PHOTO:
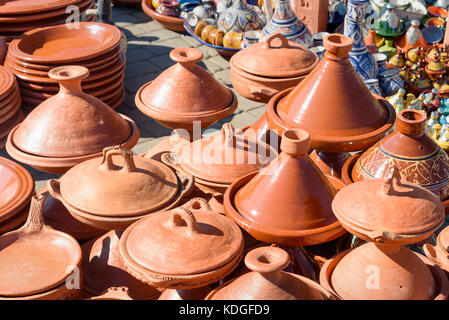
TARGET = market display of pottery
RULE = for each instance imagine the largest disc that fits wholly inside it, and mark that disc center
(18, 17)
(10, 104)
(169, 21)
(47, 139)
(93, 45)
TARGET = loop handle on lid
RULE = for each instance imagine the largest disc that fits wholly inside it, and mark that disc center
(228, 133)
(108, 165)
(277, 35)
(197, 204)
(181, 217)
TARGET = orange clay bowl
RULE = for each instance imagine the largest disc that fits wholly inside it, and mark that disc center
(171, 23)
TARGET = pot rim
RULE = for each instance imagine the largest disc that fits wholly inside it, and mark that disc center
(149, 10)
(272, 235)
(30, 9)
(331, 143)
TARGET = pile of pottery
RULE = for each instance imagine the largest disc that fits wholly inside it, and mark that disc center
(10, 103)
(166, 12)
(17, 189)
(17, 17)
(69, 127)
(95, 46)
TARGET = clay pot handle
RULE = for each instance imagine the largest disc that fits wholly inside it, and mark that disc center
(186, 56)
(197, 204)
(267, 260)
(188, 184)
(54, 188)
(411, 122)
(431, 253)
(227, 132)
(35, 221)
(108, 165)
(169, 159)
(392, 180)
(277, 35)
(256, 90)
(180, 217)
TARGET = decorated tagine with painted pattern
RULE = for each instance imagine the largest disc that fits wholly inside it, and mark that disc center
(286, 22)
(417, 156)
(239, 17)
(361, 59)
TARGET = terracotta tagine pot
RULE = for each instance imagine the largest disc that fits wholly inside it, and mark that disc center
(49, 141)
(417, 156)
(218, 160)
(185, 93)
(140, 187)
(37, 262)
(439, 253)
(333, 104)
(179, 294)
(390, 213)
(263, 69)
(103, 269)
(267, 281)
(289, 201)
(183, 248)
(17, 187)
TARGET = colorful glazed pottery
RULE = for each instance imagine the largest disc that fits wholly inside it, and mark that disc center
(239, 17)
(391, 81)
(169, 8)
(289, 201)
(168, 22)
(183, 248)
(412, 39)
(86, 189)
(257, 73)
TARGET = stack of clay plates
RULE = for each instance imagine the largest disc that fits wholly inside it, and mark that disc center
(10, 101)
(93, 45)
(19, 16)
(16, 189)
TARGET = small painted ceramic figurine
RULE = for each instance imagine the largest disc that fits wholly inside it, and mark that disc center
(397, 100)
(389, 24)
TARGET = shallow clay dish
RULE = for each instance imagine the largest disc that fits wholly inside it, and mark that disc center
(267, 281)
(57, 44)
(184, 248)
(289, 201)
(168, 22)
(32, 6)
(35, 258)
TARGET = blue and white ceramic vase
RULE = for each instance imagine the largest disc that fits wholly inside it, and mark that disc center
(285, 21)
(381, 60)
(373, 86)
(391, 81)
(361, 59)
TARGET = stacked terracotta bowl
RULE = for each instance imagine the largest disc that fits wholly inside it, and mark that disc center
(17, 17)
(10, 102)
(95, 46)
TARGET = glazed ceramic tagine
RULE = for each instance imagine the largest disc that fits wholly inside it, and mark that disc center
(440, 252)
(37, 262)
(69, 128)
(390, 213)
(103, 269)
(182, 248)
(139, 188)
(267, 281)
(289, 201)
(16, 190)
(217, 161)
(417, 156)
(333, 105)
(263, 69)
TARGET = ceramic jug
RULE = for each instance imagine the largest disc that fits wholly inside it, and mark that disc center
(361, 59)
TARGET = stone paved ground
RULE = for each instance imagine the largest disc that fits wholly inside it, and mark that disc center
(149, 45)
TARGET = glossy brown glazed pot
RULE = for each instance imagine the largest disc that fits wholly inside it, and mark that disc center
(439, 253)
(140, 187)
(37, 261)
(260, 71)
(289, 201)
(168, 22)
(184, 248)
(103, 269)
(185, 93)
(267, 281)
(417, 156)
(390, 212)
(48, 139)
(333, 104)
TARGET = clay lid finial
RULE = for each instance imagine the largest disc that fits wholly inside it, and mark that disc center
(295, 142)
(337, 45)
(185, 55)
(267, 259)
(68, 73)
(411, 122)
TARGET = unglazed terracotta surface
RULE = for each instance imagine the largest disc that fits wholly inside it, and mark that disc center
(417, 156)
(440, 252)
(187, 248)
(45, 132)
(289, 201)
(36, 258)
(267, 281)
(314, 13)
(333, 104)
